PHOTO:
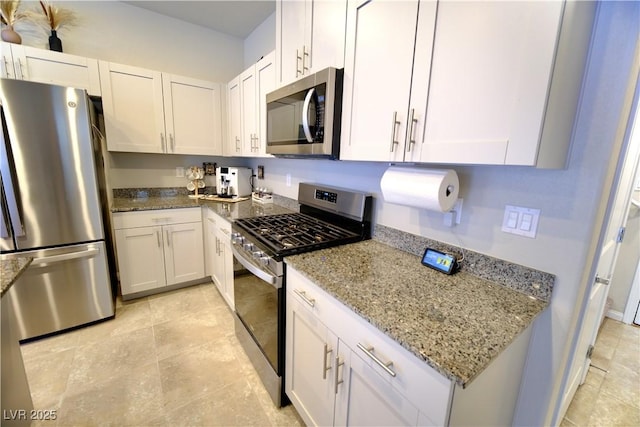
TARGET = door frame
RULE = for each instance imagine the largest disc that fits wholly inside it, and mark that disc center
(622, 147)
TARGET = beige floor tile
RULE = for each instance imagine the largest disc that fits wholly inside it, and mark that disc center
(232, 405)
(623, 383)
(128, 318)
(581, 407)
(177, 336)
(595, 377)
(112, 357)
(177, 304)
(48, 376)
(194, 373)
(609, 411)
(124, 400)
(53, 344)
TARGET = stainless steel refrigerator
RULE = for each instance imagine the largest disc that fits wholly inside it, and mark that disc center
(51, 207)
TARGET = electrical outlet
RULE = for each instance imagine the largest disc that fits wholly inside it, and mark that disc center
(288, 180)
(260, 172)
(179, 172)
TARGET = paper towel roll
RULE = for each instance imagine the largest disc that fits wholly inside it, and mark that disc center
(433, 189)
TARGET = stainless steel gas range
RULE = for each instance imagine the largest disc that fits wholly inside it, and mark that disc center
(328, 216)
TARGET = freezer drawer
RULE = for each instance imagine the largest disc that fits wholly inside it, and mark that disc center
(62, 288)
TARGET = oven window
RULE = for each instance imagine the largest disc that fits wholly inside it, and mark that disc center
(256, 304)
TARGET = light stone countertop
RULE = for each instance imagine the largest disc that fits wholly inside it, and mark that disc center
(457, 324)
(10, 270)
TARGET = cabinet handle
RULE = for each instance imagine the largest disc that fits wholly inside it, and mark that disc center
(6, 67)
(369, 352)
(394, 124)
(162, 141)
(303, 295)
(217, 246)
(412, 122)
(298, 59)
(305, 55)
(23, 75)
(158, 238)
(168, 238)
(326, 368)
(337, 382)
(172, 142)
(237, 142)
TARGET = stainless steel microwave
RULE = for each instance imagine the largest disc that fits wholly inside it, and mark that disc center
(303, 118)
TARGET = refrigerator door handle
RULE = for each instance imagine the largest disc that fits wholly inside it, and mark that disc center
(4, 230)
(44, 261)
(10, 189)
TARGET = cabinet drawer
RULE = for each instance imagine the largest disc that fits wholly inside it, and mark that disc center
(426, 388)
(155, 217)
(220, 222)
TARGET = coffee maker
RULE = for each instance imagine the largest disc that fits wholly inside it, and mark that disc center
(233, 181)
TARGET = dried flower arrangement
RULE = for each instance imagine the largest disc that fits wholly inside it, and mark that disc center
(57, 17)
(54, 18)
(9, 16)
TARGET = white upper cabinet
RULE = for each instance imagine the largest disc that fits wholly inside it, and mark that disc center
(45, 66)
(376, 122)
(490, 77)
(247, 105)
(484, 83)
(233, 145)
(193, 118)
(310, 36)
(147, 111)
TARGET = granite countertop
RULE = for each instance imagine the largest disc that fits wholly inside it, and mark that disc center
(457, 324)
(231, 210)
(10, 270)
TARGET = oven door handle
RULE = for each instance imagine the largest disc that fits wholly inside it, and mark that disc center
(274, 281)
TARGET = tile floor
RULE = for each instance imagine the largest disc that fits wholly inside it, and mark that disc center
(172, 359)
(610, 395)
(165, 360)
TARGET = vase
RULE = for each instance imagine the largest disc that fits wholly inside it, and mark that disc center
(54, 42)
(10, 36)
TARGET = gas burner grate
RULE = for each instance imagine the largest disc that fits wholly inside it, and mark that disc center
(294, 232)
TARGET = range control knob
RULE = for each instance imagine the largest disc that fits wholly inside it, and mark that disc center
(264, 259)
(257, 254)
(248, 247)
(237, 239)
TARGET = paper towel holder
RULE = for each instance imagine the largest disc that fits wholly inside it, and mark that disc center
(453, 217)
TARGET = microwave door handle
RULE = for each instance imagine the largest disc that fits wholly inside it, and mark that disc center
(305, 115)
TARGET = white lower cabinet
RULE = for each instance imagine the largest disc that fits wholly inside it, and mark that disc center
(334, 372)
(341, 370)
(158, 248)
(219, 258)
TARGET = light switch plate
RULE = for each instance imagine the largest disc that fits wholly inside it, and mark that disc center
(520, 221)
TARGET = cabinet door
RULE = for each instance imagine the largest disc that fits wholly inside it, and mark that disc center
(45, 66)
(225, 257)
(7, 70)
(183, 252)
(365, 398)
(210, 245)
(248, 110)
(140, 259)
(266, 80)
(193, 115)
(133, 108)
(310, 364)
(377, 79)
(233, 145)
(490, 75)
(293, 36)
(328, 34)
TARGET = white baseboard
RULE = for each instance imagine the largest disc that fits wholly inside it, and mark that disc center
(615, 315)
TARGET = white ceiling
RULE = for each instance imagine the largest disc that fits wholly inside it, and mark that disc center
(237, 18)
